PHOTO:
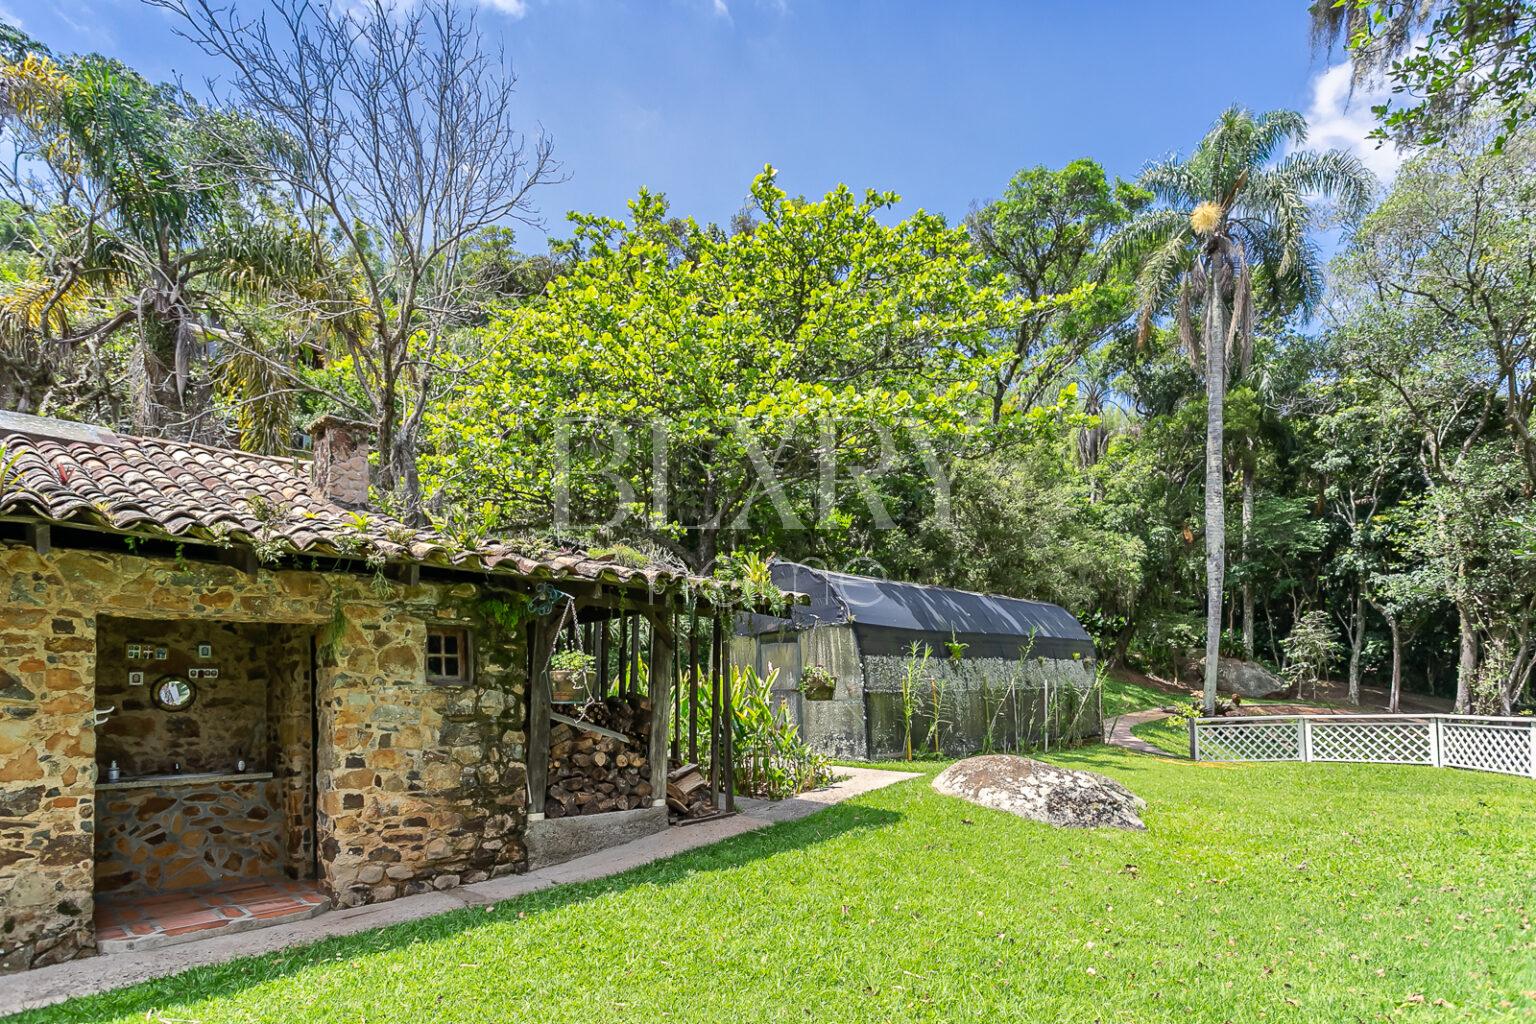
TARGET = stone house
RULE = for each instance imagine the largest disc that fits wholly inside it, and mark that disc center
(1004, 672)
(221, 671)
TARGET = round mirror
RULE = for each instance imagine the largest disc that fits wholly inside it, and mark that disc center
(174, 693)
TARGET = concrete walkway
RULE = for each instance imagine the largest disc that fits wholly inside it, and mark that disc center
(1121, 735)
(48, 985)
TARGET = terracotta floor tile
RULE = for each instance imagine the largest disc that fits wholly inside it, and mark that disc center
(189, 911)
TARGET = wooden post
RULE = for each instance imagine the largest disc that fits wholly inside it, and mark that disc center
(714, 725)
(661, 686)
(1306, 739)
(1437, 739)
(727, 726)
(675, 752)
(693, 687)
(1194, 742)
(538, 720)
(623, 665)
(602, 656)
(634, 655)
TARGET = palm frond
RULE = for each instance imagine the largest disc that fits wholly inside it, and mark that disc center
(1145, 233)
(1275, 128)
(1171, 181)
(1335, 174)
(1160, 271)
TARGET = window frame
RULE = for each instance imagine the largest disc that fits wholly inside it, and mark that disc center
(465, 655)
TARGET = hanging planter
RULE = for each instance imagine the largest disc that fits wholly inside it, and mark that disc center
(818, 683)
(568, 672)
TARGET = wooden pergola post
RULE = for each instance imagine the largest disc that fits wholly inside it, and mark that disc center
(662, 682)
(721, 648)
(538, 720)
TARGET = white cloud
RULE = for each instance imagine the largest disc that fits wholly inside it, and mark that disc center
(1341, 119)
(511, 8)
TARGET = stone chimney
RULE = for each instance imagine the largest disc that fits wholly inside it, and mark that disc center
(340, 467)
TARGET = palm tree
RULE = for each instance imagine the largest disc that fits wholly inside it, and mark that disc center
(134, 233)
(1230, 229)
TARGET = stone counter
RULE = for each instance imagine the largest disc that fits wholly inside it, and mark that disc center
(182, 832)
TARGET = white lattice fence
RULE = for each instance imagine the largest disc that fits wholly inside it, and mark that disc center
(1249, 739)
(1374, 740)
(1506, 745)
(1489, 745)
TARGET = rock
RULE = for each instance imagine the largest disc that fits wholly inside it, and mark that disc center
(1042, 792)
(1247, 678)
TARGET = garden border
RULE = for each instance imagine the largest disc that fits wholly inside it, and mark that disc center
(1486, 743)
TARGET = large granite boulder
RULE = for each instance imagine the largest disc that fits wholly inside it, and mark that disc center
(1042, 792)
(1247, 678)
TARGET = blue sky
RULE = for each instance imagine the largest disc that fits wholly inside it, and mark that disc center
(939, 101)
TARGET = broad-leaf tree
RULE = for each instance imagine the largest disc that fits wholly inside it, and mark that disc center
(1044, 236)
(700, 386)
(406, 148)
(1447, 58)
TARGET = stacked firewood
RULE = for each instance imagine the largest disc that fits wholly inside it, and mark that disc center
(589, 772)
(688, 795)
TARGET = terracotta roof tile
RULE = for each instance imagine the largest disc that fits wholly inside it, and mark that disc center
(68, 472)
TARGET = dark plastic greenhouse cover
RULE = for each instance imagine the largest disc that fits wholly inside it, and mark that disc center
(913, 610)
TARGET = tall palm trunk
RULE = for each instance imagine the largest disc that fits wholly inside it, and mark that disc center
(1249, 641)
(1215, 506)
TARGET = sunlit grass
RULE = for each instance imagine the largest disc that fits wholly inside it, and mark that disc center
(1306, 893)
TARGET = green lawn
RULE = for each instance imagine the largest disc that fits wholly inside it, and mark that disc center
(1122, 696)
(1306, 893)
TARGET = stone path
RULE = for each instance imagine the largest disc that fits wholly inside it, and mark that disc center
(47, 985)
(1121, 735)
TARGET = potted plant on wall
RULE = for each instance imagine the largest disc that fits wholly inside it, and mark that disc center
(568, 671)
(818, 683)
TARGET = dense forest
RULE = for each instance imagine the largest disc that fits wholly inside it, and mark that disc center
(1152, 401)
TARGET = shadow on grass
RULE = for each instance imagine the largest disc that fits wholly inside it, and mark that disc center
(215, 981)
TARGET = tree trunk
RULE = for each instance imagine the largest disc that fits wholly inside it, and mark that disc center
(1356, 644)
(1249, 644)
(1215, 510)
(1394, 696)
(1466, 665)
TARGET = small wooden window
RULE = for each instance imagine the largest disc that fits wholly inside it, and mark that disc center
(448, 655)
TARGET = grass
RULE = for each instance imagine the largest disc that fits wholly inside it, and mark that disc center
(1291, 893)
(1123, 696)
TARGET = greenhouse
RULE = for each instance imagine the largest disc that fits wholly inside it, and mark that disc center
(870, 664)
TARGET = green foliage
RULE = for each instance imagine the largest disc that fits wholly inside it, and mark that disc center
(572, 660)
(729, 360)
(771, 759)
(150, 239)
(914, 680)
(817, 682)
(1448, 58)
(1311, 648)
(1043, 237)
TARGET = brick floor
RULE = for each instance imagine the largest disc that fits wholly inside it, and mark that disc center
(165, 915)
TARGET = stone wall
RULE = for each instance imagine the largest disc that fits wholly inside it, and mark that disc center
(178, 837)
(227, 721)
(420, 785)
(47, 761)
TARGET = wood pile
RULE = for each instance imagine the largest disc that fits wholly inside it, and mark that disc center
(688, 796)
(590, 773)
